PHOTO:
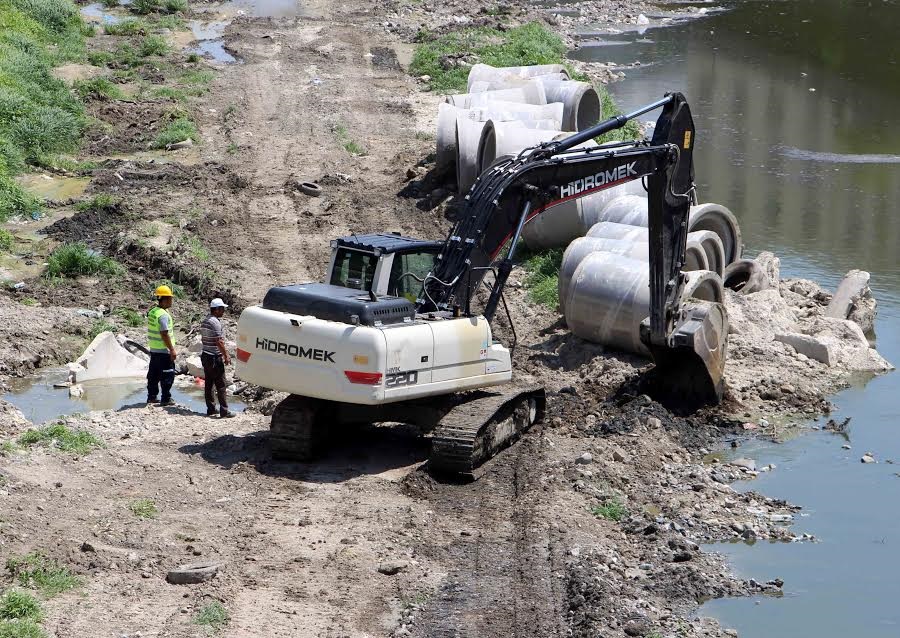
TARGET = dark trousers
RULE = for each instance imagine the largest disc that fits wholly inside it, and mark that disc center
(214, 376)
(160, 373)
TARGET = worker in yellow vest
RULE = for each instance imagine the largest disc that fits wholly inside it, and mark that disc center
(161, 343)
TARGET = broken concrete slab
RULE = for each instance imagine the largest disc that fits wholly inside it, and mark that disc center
(807, 345)
(849, 346)
(772, 267)
(853, 300)
(105, 358)
(195, 366)
(759, 315)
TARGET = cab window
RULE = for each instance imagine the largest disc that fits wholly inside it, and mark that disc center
(353, 269)
(418, 264)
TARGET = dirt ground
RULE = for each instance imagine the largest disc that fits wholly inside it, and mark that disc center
(364, 542)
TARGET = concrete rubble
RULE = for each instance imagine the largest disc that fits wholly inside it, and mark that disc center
(107, 358)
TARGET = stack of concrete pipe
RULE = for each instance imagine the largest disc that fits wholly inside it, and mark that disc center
(507, 110)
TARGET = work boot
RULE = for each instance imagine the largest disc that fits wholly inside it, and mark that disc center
(226, 414)
(166, 403)
(152, 400)
(211, 412)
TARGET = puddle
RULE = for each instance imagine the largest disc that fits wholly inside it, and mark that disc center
(210, 40)
(266, 8)
(186, 156)
(39, 401)
(98, 14)
(53, 186)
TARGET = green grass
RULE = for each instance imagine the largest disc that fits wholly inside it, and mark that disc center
(194, 58)
(73, 260)
(542, 280)
(99, 58)
(172, 22)
(528, 44)
(130, 317)
(154, 45)
(104, 202)
(196, 248)
(7, 240)
(612, 510)
(232, 149)
(110, 4)
(214, 615)
(144, 7)
(177, 131)
(60, 437)
(631, 130)
(29, 301)
(16, 604)
(132, 26)
(343, 137)
(21, 629)
(39, 116)
(42, 573)
(175, 6)
(100, 326)
(143, 508)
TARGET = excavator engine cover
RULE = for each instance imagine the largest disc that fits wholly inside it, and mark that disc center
(690, 371)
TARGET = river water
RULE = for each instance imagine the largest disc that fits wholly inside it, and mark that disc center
(797, 106)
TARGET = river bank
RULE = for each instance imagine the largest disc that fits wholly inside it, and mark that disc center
(592, 523)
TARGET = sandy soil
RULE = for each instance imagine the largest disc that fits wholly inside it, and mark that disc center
(364, 542)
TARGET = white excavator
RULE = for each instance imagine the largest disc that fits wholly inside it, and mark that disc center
(392, 338)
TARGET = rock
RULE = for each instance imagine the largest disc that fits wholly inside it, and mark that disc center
(760, 315)
(750, 426)
(747, 464)
(808, 346)
(105, 358)
(772, 267)
(585, 459)
(179, 145)
(391, 568)
(193, 573)
(682, 557)
(637, 626)
(76, 391)
(845, 446)
(195, 366)
(852, 294)
(867, 458)
(846, 343)
(643, 20)
(653, 423)
(87, 547)
(620, 456)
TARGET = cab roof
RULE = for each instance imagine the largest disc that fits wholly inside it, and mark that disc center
(388, 243)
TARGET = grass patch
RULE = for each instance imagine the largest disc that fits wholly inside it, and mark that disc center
(7, 240)
(612, 510)
(99, 88)
(153, 45)
(131, 318)
(16, 604)
(21, 629)
(214, 615)
(437, 55)
(29, 301)
(61, 437)
(39, 116)
(131, 26)
(542, 280)
(177, 131)
(196, 248)
(100, 326)
(232, 149)
(172, 22)
(102, 203)
(145, 7)
(343, 137)
(143, 508)
(195, 76)
(99, 58)
(42, 573)
(72, 260)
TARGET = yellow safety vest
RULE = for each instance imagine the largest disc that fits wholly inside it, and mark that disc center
(154, 338)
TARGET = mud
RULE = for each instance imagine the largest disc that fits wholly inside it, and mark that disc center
(364, 542)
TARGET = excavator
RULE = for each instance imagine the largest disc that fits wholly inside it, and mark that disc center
(392, 336)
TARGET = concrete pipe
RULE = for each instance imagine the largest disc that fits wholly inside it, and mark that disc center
(488, 73)
(695, 257)
(582, 104)
(499, 110)
(560, 224)
(512, 81)
(469, 137)
(607, 299)
(704, 285)
(528, 93)
(504, 138)
(624, 209)
(612, 230)
(713, 249)
(722, 222)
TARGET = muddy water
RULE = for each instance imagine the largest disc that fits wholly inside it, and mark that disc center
(40, 401)
(796, 107)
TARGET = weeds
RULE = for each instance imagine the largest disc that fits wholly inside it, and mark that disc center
(21, 629)
(542, 280)
(214, 615)
(16, 604)
(612, 510)
(110, 4)
(196, 248)
(29, 301)
(7, 240)
(170, 22)
(99, 58)
(144, 7)
(99, 327)
(62, 438)
(352, 147)
(150, 230)
(179, 130)
(102, 203)
(42, 573)
(143, 508)
(193, 58)
(232, 149)
(439, 56)
(98, 89)
(131, 26)
(131, 318)
(153, 45)
(72, 260)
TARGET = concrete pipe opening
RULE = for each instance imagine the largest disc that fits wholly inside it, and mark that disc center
(488, 73)
(468, 137)
(704, 285)
(581, 101)
(722, 222)
(713, 249)
(608, 298)
(530, 93)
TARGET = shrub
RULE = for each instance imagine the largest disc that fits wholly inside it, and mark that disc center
(6, 240)
(154, 45)
(175, 6)
(144, 7)
(214, 615)
(143, 508)
(72, 260)
(130, 317)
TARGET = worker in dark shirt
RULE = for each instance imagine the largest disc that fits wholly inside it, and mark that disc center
(214, 358)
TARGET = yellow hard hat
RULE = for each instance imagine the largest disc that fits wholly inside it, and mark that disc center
(163, 291)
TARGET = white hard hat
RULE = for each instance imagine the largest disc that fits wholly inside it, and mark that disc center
(217, 303)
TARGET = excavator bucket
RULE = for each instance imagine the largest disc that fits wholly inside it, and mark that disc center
(690, 370)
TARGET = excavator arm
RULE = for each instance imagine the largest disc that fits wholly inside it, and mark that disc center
(687, 341)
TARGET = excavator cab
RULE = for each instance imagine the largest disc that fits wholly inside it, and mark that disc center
(383, 263)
